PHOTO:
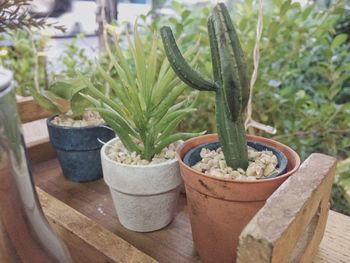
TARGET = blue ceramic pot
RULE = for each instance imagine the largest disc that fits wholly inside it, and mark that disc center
(78, 149)
(193, 156)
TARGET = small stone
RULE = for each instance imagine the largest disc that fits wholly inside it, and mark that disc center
(251, 170)
(216, 173)
(253, 154)
(235, 174)
(241, 171)
(227, 176)
(205, 160)
(118, 153)
(197, 168)
(203, 152)
(222, 164)
(269, 169)
(213, 163)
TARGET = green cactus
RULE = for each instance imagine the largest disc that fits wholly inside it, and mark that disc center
(231, 82)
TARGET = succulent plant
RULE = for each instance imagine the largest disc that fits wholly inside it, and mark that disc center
(231, 82)
(145, 107)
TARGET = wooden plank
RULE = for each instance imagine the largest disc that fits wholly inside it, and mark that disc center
(290, 226)
(86, 240)
(29, 110)
(174, 243)
(36, 138)
(335, 245)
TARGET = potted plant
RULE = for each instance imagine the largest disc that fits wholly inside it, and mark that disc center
(139, 166)
(75, 133)
(222, 196)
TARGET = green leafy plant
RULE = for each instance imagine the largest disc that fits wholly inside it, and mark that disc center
(193, 18)
(343, 176)
(18, 56)
(146, 107)
(61, 96)
(230, 84)
(74, 59)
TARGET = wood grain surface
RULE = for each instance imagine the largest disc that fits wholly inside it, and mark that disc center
(86, 240)
(173, 243)
(36, 138)
(290, 227)
(29, 110)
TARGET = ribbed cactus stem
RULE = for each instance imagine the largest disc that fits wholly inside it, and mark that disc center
(230, 83)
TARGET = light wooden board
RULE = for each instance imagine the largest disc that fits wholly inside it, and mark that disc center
(36, 138)
(335, 245)
(174, 243)
(29, 110)
(87, 241)
(290, 226)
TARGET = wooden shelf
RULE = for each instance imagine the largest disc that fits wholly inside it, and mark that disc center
(173, 243)
(84, 215)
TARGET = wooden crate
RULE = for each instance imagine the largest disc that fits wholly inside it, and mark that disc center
(83, 215)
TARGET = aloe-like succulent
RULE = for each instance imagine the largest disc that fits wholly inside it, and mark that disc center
(231, 83)
(147, 107)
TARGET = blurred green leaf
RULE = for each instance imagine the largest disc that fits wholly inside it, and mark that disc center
(339, 40)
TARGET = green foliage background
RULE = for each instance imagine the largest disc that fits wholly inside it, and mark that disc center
(303, 86)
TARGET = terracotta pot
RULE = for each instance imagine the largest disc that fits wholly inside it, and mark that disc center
(219, 209)
(144, 196)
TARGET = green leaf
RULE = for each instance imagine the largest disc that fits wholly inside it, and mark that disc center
(139, 58)
(99, 95)
(174, 138)
(169, 118)
(122, 122)
(66, 89)
(307, 11)
(43, 101)
(79, 104)
(121, 63)
(185, 14)
(123, 136)
(120, 92)
(163, 107)
(151, 69)
(338, 40)
(285, 7)
(172, 124)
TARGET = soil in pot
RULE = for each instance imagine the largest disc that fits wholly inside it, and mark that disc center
(144, 193)
(78, 149)
(264, 162)
(89, 118)
(220, 208)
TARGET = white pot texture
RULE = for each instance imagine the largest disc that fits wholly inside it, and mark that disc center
(144, 196)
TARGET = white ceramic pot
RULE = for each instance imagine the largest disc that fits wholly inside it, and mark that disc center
(144, 196)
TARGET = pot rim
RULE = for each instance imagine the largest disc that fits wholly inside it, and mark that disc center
(49, 123)
(214, 137)
(106, 157)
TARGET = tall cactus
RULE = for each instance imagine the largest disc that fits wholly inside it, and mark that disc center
(230, 84)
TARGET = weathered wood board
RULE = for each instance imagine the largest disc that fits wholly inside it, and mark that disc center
(84, 215)
(29, 110)
(174, 243)
(290, 227)
(86, 240)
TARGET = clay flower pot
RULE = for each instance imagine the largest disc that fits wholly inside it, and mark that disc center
(144, 196)
(219, 209)
(78, 149)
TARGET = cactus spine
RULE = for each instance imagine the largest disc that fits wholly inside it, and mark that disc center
(230, 84)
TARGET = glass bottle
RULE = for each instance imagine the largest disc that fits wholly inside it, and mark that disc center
(25, 234)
